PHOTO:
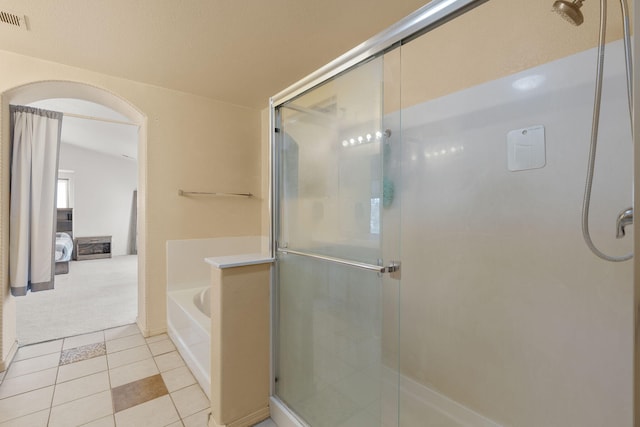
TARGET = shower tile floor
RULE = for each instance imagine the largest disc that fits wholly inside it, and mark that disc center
(113, 377)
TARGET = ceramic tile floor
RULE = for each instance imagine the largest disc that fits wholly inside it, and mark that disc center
(114, 377)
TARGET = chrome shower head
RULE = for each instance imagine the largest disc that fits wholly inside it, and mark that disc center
(569, 10)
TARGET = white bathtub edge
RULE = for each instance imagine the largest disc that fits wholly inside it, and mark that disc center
(205, 383)
(202, 332)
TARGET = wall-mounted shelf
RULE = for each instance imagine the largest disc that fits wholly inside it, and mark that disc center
(64, 220)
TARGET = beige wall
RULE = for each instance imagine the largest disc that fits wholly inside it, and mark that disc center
(193, 143)
(498, 38)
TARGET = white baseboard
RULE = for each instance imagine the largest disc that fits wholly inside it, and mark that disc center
(4, 364)
(143, 330)
(149, 332)
(250, 420)
(443, 404)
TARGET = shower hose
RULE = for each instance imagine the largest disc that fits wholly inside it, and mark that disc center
(586, 202)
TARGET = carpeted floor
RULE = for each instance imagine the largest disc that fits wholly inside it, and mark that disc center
(95, 295)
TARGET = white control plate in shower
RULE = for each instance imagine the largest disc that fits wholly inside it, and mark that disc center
(526, 148)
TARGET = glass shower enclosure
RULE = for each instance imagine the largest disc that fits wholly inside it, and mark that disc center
(426, 197)
(338, 246)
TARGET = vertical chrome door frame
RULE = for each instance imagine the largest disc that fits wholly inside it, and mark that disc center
(636, 224)
(274, 209)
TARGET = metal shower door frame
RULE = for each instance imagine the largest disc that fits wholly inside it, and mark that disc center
(430, 16)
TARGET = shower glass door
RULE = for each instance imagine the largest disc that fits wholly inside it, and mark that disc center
(336, 327)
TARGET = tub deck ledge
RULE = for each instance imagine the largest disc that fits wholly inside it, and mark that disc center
(240, 260)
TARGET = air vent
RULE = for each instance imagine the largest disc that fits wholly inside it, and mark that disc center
(16, 21)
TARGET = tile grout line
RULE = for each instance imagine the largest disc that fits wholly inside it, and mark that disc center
(38, 388)
(168, 392)
(55, 384)
(106, 356)
(108, 370)
(146, 344)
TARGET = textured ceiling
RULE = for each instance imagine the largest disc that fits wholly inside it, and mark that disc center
(237, 51)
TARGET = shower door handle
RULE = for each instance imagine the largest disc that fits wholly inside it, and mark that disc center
(393, 268)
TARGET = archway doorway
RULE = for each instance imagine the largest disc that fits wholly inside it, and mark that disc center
(96, 252)
(37, 91)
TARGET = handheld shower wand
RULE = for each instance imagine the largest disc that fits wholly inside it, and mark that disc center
(571, 12)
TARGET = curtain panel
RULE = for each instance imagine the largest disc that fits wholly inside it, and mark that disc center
(35, 136)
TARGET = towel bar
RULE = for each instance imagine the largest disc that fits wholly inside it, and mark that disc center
(207, 193)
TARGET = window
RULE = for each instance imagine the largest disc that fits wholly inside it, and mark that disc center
(374, 219)
(65, 189)
(63, 193)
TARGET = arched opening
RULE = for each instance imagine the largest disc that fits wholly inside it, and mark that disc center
(38, 91)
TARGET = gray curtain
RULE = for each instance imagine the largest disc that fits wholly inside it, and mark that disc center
(35, 136)
(133, 226)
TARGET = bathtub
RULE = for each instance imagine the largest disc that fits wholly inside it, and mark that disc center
(190, 330)
(188, 296)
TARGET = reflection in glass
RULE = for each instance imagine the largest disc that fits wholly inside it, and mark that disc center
(331, 156)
